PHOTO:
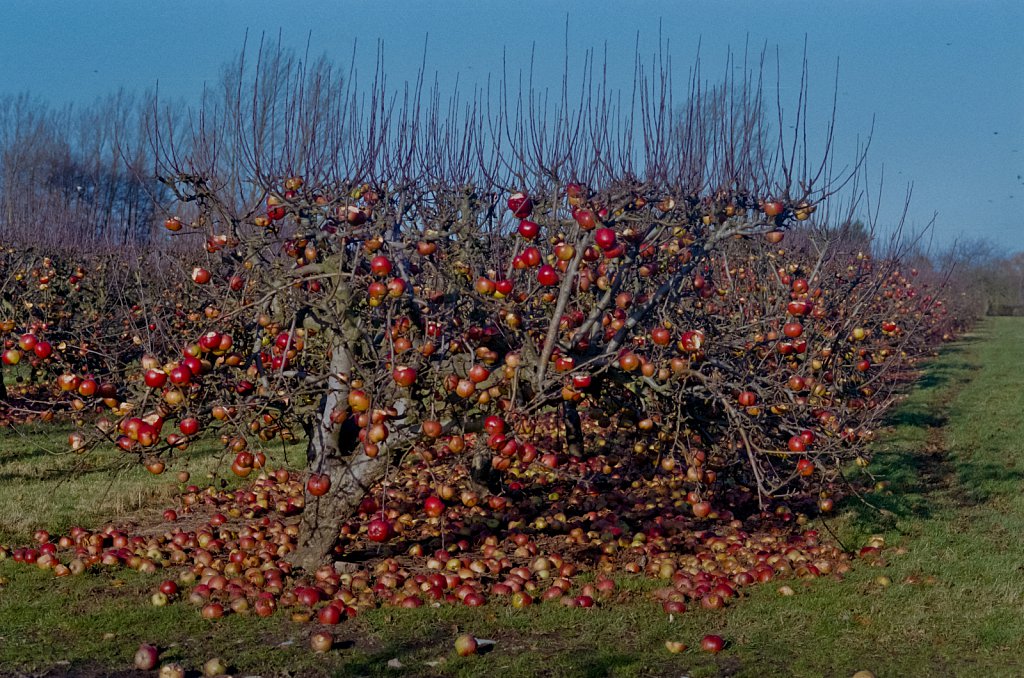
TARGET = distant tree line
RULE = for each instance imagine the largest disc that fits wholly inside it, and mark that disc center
(70, 176)
(87, 177)
(988, 277)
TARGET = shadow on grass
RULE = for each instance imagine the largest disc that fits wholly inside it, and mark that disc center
(592, 664)
(604, 664)
(915, 467)
(949, 374)
(911, 479)
(81, 468)
(917, 418)
(31, 452)
(982, 480)
(376, 663)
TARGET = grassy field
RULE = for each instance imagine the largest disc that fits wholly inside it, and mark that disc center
(949, 600)
(42, 485)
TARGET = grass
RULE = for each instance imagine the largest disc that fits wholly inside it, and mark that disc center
(43, 485)
(953, 457)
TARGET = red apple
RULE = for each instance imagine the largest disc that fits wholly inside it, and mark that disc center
(404, 376)
(604, 238)
(380, 266)
(189, 426)
(465, 645)
(433, 506)
(329, 615)
(547, 275)
(43, 350)
(585, 218)
(318, 484)
(520, 204)
(181, 375)
(379, 530)
(146, 657)
(528, 229)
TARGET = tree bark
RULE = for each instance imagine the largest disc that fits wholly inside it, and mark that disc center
(573, 429)
(3, 386)
(351, 479)
(334, 450)
(351, 474)
(481, 472)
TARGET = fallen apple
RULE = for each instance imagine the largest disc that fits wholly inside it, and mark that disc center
(321, 641)
(172, 671)
(674, 646)
(145, 657)
(465, 645)
(214, 667)
(711, 643)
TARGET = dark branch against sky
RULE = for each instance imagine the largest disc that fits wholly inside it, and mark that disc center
(942, 81)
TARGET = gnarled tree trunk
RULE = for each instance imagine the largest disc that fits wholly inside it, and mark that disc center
(335, 451)
(351, 478)
(352, 473)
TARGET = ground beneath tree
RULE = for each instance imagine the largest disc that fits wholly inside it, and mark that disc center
(938, 600)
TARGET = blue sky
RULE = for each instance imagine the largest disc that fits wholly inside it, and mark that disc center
(944, 81)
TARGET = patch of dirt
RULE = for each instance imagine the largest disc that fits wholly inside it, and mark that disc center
(938, 472)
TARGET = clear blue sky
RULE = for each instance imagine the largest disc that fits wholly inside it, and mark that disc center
(944, 80)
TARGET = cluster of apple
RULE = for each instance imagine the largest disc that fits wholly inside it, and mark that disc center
(550, 541)
(729, 339)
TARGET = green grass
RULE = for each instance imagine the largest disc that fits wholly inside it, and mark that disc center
(953, 458)
(44, 485)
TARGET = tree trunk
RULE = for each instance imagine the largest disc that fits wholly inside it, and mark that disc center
(482, 475)
(3, 386)
(351, 479)
(334, 450)
(573, 429)
(351, 474)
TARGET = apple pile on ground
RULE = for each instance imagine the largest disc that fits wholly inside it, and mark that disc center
(741, 363)
(510, 469)
(227, 552)
(510, 368)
